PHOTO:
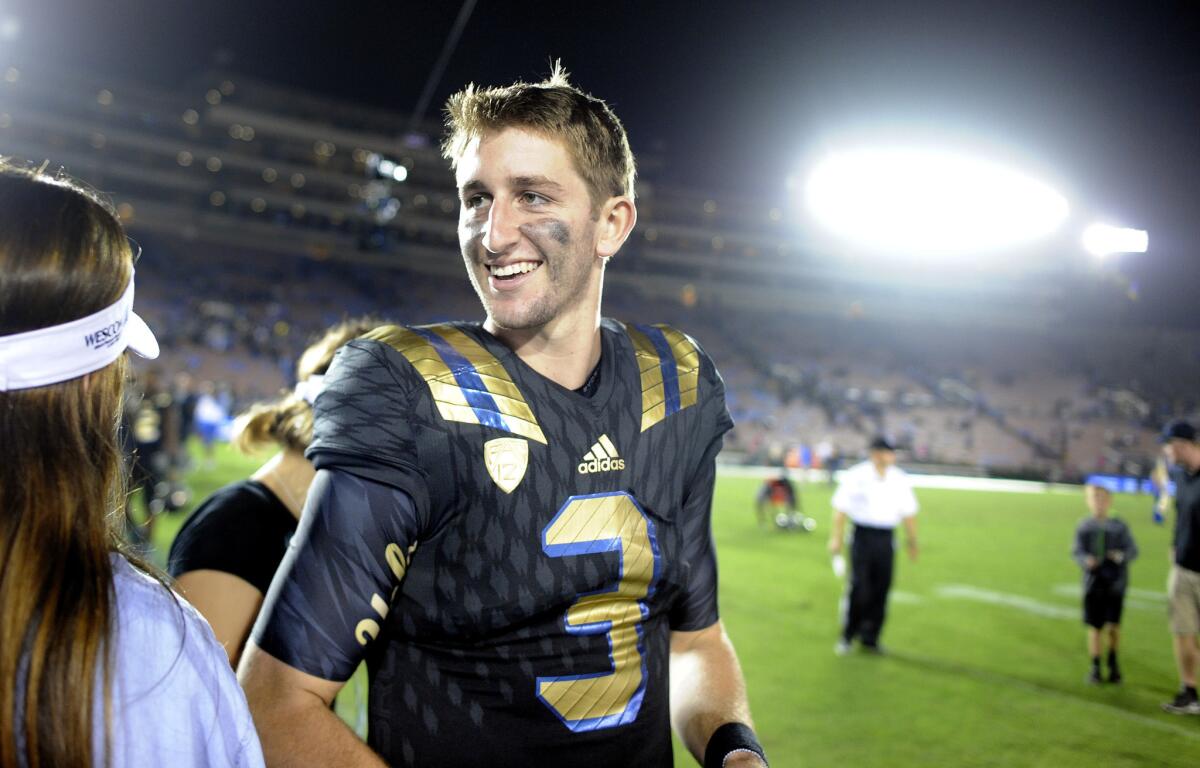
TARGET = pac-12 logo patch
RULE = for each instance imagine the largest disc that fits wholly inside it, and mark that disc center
(506, 459)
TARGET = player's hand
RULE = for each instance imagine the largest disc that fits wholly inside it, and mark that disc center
(913, 549)
(1116, 555)
(1090, 562)
(835, 546)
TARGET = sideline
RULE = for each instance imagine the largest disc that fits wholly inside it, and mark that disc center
(945, 482)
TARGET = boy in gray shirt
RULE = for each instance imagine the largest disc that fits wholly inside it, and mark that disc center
(1104, 547)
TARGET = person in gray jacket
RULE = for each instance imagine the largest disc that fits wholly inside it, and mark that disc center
(1104, 547)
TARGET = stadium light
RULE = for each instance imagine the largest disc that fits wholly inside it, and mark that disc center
(930, 202)
(388, 169)
(1102, 240)
(10, 29)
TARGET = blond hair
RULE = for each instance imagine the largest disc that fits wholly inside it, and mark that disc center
(594, 137)
(288, 421)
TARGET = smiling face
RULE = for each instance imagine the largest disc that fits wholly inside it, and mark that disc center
(527, 229)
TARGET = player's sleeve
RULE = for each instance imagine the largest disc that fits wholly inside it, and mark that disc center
(335, 585)
(697, 606)
(361, 421)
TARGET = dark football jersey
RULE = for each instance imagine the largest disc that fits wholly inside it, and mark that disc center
(509, 556)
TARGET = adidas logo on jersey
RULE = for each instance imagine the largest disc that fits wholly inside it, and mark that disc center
(602, 458)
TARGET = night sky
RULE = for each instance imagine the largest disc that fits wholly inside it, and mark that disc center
(1100, 98)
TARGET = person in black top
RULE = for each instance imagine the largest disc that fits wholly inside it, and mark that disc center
(523, 558)
(225, 555)
(1183, 584)
(1104, 548)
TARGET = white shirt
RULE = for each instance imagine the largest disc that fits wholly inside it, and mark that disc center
(175, 701)
(871, 500)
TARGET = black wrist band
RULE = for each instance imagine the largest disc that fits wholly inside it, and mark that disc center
(726, 739)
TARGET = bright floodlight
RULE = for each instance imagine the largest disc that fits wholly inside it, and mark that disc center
(927, 202)
(10, 28)
(1102, 240)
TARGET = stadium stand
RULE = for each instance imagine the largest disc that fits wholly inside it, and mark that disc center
(266, 214)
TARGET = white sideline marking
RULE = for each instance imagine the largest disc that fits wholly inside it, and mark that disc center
(910, 598)
(1149, 594)
(1142, 599)
(1020, 602)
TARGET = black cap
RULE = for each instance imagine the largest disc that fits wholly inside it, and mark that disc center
(881, 443)
(1178, 430)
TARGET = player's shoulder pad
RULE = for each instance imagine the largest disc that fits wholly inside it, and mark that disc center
(676, 372)
(397, 337)
(362, 418)
(414, 344)
(661, 341)
(467, 382)
(405, 338)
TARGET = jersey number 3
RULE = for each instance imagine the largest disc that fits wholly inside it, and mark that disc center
(588, 525)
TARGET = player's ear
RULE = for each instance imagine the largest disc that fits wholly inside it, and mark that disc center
(617, 217)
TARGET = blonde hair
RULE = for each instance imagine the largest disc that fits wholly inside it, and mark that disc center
(63, 256)
(288, 422)
(594, 137)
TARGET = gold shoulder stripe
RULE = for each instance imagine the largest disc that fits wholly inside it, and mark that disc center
(669, 363)
(687, 361)
(468, 384)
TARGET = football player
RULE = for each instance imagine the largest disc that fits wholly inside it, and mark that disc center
(511, 519)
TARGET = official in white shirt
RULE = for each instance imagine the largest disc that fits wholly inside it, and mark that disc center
(877, 496)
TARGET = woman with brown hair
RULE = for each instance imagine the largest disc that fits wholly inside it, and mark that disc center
(99, 663)
(225, 555)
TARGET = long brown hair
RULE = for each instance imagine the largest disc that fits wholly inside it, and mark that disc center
(63, 255)
(288, 421)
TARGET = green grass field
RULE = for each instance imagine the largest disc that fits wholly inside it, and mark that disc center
(986, 660)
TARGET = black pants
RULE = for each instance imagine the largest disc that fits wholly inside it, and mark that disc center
(871, 560)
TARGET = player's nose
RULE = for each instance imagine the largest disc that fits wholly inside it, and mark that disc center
(501, 232)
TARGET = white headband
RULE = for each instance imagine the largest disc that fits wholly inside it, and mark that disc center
(310, 388)
(67, 351)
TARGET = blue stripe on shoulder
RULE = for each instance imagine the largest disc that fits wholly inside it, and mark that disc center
(468, 380)
(666, 361)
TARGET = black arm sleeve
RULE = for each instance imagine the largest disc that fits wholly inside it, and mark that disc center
(335, 586)
(697, 607)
